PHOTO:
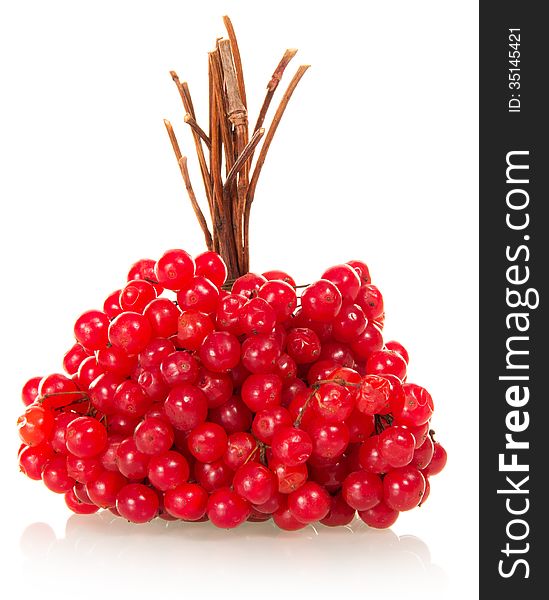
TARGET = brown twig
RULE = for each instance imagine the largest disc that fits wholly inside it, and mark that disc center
(182, 162)
(237, 60)
(189, 119)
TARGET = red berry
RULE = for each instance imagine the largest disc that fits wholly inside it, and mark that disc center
(369, 298)
(83, 469)
(362, 490)
(233, 415)
(380, 516)
(349, 323)
(423, 454)
(396, 446)
(211, 265)
(291, 446)
(373, 395)
(136, 295)
(256, 316)
(168, 470)
(329, 439)
(438, 462)
(261, 391)
(248, 285)
(369, 341)
(226, 509)
(346, 280)
(186, 406)
(333, 402)
(399, 349)
(29, 393)
(281, 297)
(153, 436)
(103, 490)
(403, 488)
(240, 448)
(132, 463)
(340, 512)
(282, 275)
(111, 306)
(163, 316)
(217, 387)
(73, 358)
(321, 301)
(188, 501)
(199, 294)
(174, 269)
(386, 362)
(77, 506)
(86, 437)
(207, 442)
(285, 520)
(130, 331)
(255, 483)
(213, 476)
(137, 503)
(370, 456)
(268, 421)
(220, 351)
(179, 367)
(289, 478)
(418, 406)
(36, 425)
(362, 270)
(309, 503)
(91, 329)
(260, 353)
(114, 360)
(227, 317)
(56, 477)
(303, 345)
(32, 460)
(130, 400)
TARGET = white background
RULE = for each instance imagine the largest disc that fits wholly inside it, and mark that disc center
(376, 158)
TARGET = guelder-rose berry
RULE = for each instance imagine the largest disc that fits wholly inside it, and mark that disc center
(91, 329)
(130, 331)
(255, 482)
(309, 503)
(174, 269)
(321, 301)
(362, 490)
(85, 437)
(207, 442)
(137, 503)
(226, 509)
(188, 501)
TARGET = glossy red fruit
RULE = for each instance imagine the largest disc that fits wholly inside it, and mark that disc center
(340, 513)
(241, 447)
(186, 406)
(248, 285)
(213, 476)
(103, 490)
(310, 503)
(330, 440)
(370, 458)
(399, 349)
(130, 331)
(91, 328)
(73, 358)
(369, 341)
(281, 297)
(438, 462)
(77, 506)
(291, 446)
(418, 406)
(360, 426)
(346, 280)
(261, 391)
(403, 488)
(153, 436)
(29, 393)
(137, 503)
(373, 394)
(333, 402)
(233, 415)
(199, 294)
(168, 470)
(83, 469)
(56, 477)
(303, 345)
(227, 317)
(349, 323)
(362, 490)
(32, 460)
(226, 509)
(86, 437)
(396, 446)
(361, 269)
(179, 367)
(220, 351)
(130, 400)
(217, 387)
(211, 265)
(57, 390)
(35, 425)
(174, 269)
(188, 501)
(207, 442)
(111, 306)
(423, 454)
(386, 362)
(260, 353)
(321, 301)
(135, 295)
(282, 275)
(380, 516)
(285, 520)
(255, 482)
(132, 463)
(369, 298)
(289, 478)
(268, 421)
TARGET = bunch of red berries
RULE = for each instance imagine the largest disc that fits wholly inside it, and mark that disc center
(233, 401)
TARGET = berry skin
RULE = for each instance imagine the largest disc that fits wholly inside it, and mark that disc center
(321, 301)
(207, 442)
(155, 352)
(86, 437)
(303, 345)
(217, 387)
(330, 440)
(386, 362)
(309, 503)
(174, 269)
(179, 367)
(423, 454)
(248, 285)
(370, 458)
(187, 501)
(285, 520)
(369, 298)
(369, 341)
(209, 264)
(281, 297)
(103, 490)
(73, 358)
(361, 269)
(289, 478)
(373, 395)
(220, 351)
(77, 506)
(399, 349)
(58, 437)
(144, 269)
(291, 446)
(111, 306)
(282, 275)
(88, 371)
(360, 426)
(396, 446)
(333, 402)
(438, 462)
(418, 406)
(113, 360)
(255, 483)
(56, 477)
(29, 393)
(132, 463)
(33, 459)
(349, 323)
(226, 509)
(130, 400)
(186, 407)
(260, 353)
(153, 436)
(137, 503)
(192, 328)
(261, 391)
(91, 328)
(345, 278)
(227, 317)
(403, 488)
(268, 421)
(83, 469)
(131, 332)
(59, 389)
(213, 476)
(380, 516)
(136, 295)
(256, 316)
(340, 512)
(362, 490)
(240, 448)
(163, 316)
(199, 294)
(36, 425)
(233, 415)
(168, 470)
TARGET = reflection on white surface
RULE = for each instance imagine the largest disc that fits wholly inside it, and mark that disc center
(100, 551)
